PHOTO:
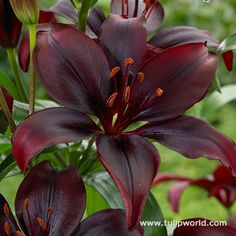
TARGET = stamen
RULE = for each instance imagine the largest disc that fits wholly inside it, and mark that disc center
(127, 94)
(140, 77)
(6, 210)
(18, 233)
(159, 92)
(26, 203)
(114, 71)
(41, 223)
(7, 228)
(111, 99)
(50, 210)
(129, 61)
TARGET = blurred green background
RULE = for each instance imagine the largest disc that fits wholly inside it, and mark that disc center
(219, 17)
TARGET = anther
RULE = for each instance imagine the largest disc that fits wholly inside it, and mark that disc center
(49, 210)
(140, 77)
(6, 210)
(114, 71)
(129, 61)
(18, 233)
(159, 92)
(127, 94)
(111, 99)
(26, 203)
(7, 228)
(41, 223)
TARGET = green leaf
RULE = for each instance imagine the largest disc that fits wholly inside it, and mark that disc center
(104, 185)
(6, 83)
(216, 84)
(228, 44)
(6, 166)
(216, 100)
(5, 144)
(94, 201)
(152, 213)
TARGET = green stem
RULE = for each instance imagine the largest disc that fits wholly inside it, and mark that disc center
(32, 34)
(83, 14)
(86, 151)
(12, 60)
(7, 112)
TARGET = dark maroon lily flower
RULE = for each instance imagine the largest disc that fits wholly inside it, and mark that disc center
(51, 202)
(221, 185)
(178, 35)
(112, 80)
(203, 227)
(10, 26)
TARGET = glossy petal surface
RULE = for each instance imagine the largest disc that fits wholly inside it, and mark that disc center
(132, 162)
(46, 128)
(72, 68)
(106, 223)
(135, 8)
(126, 39)
(184, 73)
(61, 191)
(193, 138)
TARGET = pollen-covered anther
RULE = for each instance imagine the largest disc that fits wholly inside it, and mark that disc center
(127, 94)
(114, 71)
(129, 61)
(111, 99)
(26, 203)
(18, 233)
(7, 228)
(41, 223)
(141, 77)
(6, 210)
(49, 210)
(159, 92)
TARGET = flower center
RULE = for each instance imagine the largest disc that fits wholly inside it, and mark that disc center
(42, 224)
(119, 100)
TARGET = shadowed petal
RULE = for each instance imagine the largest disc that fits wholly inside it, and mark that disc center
(154, 20)
(48, 190)
(184, 73)
(132, 162)
(177, 35)
(65, 8)
(106, 223)
(95, 20)
(126, 39)
(73, 69)
(195, 229)
(192, 138)
(46, 128)
(6, 218)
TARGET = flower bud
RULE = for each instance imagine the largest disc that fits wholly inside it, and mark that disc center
(26, 10)
(10, 26)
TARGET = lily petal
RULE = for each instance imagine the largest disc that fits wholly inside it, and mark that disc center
(177, 35)
(192, 138)
(106, 223)
(201, 227)
(57, 197)
(46, 128)
(132, 162)
(73, 69)
(184, 73)
(154, 20)
(127, 39)
(6, 216)
(65, 8)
